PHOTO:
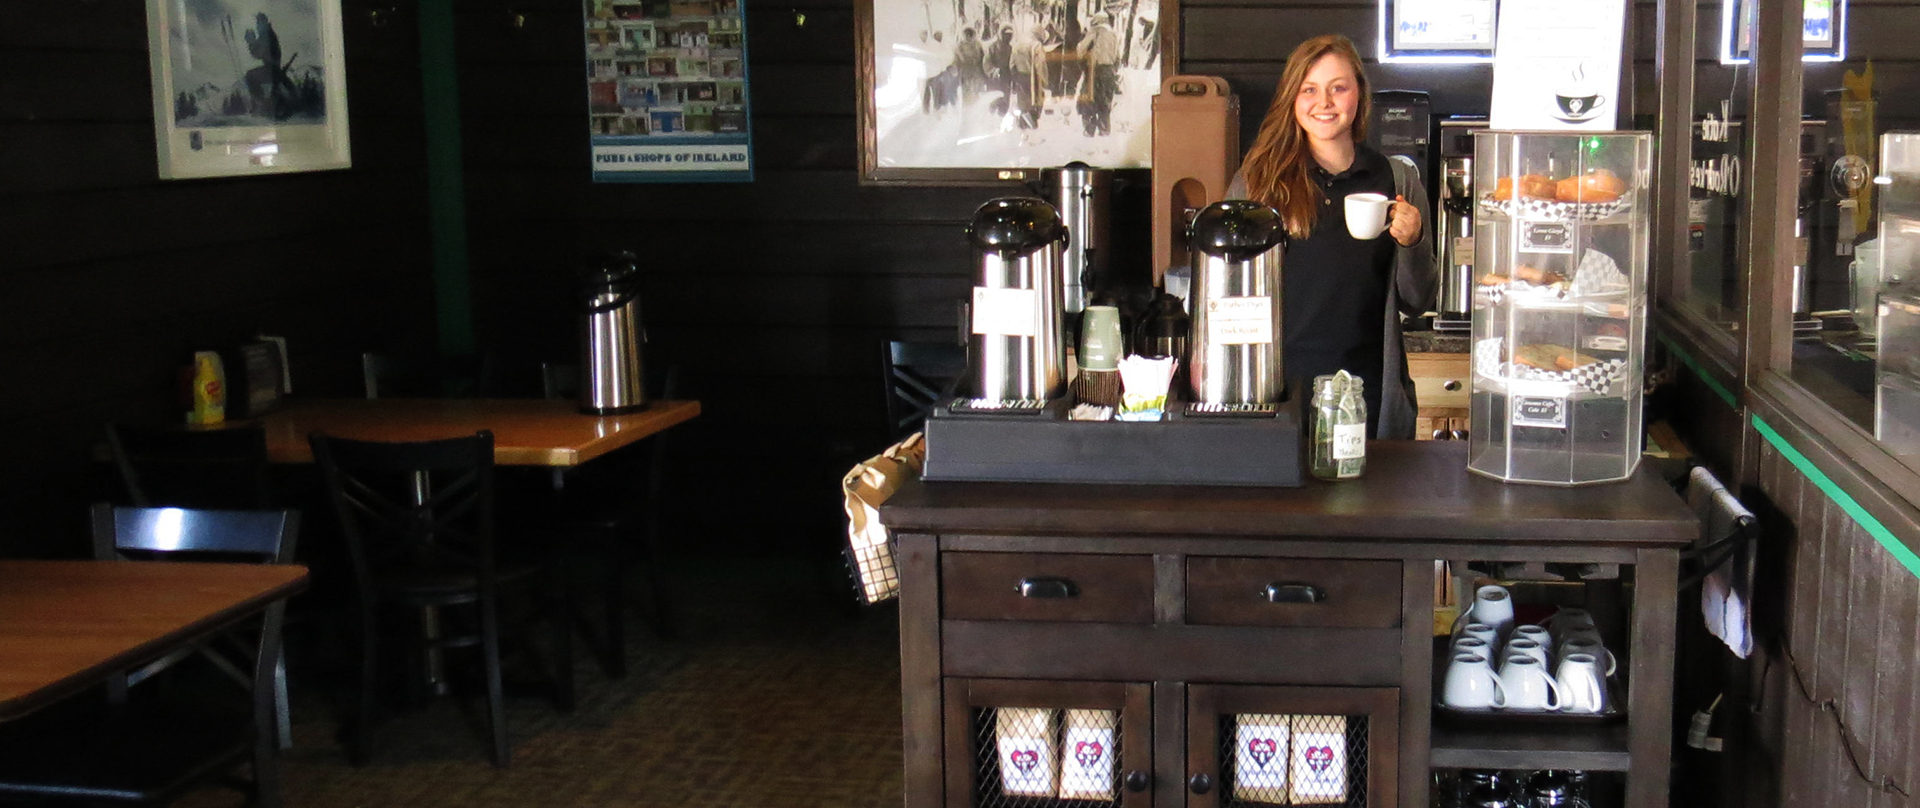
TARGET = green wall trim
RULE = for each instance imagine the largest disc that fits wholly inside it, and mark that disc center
(1705, 377)
(1873, 527)
(446, 182)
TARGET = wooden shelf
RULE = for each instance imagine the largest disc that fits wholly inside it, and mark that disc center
(1591, 747)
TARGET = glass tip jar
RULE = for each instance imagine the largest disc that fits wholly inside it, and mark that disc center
(1339, 449)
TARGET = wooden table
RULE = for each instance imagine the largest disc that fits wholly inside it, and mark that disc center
(526, 432)
(66, 625)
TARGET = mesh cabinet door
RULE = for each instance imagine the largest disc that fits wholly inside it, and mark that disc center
(1033, 744)
(1250, 746)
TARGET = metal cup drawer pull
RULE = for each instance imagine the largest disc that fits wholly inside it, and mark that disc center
(1049, 587)
(1288, 592)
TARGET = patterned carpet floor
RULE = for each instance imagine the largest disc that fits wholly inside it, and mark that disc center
(774, 696)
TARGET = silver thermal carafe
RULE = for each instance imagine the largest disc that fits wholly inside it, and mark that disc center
(1235, 346)
(611, 337)
(1081, 193)
(1016, 346)
(1454, 225)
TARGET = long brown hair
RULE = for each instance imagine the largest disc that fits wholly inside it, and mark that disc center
(1277, 165)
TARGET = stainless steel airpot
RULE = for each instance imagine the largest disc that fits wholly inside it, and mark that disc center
(1016, 341)
(1235, 353)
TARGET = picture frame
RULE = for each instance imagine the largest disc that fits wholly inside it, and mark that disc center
(931, 113)
(668, 96)
(1437, 31)
(1823, 35)
(236, 95)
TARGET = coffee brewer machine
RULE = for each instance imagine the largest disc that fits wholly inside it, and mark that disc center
(1402, 126)
(1081, 193)
(1235, 347)
(1016, 344)
(1453, 219)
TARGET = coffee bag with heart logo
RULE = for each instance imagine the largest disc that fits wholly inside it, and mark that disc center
(1260, 758)
(1025, 740)
(1087, 755)
(1319, 760)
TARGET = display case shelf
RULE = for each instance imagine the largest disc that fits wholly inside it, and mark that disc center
(1529, 746)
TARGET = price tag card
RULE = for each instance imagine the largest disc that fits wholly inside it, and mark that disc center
(1006, 312)
(1240, 320)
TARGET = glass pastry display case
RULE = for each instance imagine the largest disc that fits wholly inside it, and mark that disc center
(1559, 305)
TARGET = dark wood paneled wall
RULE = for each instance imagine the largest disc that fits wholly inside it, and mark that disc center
(109, 277)
(777, 295)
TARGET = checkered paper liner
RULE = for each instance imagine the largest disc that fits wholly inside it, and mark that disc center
(1554, 211)
(1599, 378)
(1597, 276)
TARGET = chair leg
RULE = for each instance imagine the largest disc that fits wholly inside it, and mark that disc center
(615, 593)
(560, 622)
(360, 745)
(266, 765)
(496, 698)
(282, 711)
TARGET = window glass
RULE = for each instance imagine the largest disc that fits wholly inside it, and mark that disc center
(1709, 281)
(1856, 315)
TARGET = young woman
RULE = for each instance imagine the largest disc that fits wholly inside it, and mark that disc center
(1343, 296)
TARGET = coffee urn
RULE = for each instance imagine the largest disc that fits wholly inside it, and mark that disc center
(1235, 347)
(1081, 193)
(1016, 347)
(1454, 224)
(611, 381)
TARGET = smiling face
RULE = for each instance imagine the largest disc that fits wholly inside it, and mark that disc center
(1328, 99)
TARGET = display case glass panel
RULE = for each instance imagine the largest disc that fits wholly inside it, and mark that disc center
(1707, 283)
(1559, 312)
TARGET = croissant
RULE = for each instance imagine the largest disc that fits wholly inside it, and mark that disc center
(1594, 186)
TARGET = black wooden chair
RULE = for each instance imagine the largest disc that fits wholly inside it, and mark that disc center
(419, 524)
(151, 743)
(917, 376)
(390, 375)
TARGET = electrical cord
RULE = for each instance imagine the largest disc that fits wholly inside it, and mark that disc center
(1854, 748)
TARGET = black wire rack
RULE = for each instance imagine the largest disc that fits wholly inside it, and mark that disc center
(1273, 759)
(1046, 758)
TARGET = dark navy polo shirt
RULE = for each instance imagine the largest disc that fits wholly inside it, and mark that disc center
(1335, 286)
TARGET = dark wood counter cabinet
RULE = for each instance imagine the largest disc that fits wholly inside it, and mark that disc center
(1173, 617)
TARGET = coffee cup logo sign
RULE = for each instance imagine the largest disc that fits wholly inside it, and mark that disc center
(1262, 751)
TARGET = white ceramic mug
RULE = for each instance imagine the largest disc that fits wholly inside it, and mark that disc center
(1471, 684)
(1591, 647)
(1527, 647)
(1477, 646)
(1529, 686)
(1492, 605)
(1481, 631)
(1367, 215)
(1567, 618)
(1538, 634)
(1585, 688)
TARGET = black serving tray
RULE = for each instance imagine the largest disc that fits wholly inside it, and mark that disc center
(1180, 450)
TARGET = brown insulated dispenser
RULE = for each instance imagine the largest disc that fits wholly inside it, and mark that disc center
(1196, 148)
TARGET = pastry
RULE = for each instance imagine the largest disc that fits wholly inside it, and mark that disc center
(1537, 276)
(1493, 279)
(1544, 356)
(1532, 186)
(1594, 186)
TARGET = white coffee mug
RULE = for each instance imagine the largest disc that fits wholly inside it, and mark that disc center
(1367, 215)
(1582, 683)
(1591, 647)
(1527, 647)
(1477, 646)
(1538, 634)
(1567, 618)
(1481, 631)
(1529, 686)
(1492, 605)
(1471, 684)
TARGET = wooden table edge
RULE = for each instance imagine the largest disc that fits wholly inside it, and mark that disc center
(23, 705)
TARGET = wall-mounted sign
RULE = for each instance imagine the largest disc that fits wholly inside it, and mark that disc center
(1437, 30)
(1823, 33)
(1557, 66)
(667, 91)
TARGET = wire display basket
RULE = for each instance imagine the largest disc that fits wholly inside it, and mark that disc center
(1279, 759)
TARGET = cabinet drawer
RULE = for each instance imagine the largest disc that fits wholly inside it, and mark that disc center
(1036, 586)
(1347, 593)
(1439, 380)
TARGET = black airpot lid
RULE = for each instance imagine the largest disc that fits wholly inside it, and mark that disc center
(1237, 229)
(1015, 225)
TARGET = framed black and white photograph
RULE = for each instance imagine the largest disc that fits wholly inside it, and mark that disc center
(961, 92)
(247, 86)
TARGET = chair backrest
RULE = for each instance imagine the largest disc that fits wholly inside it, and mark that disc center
(264, 536)
(192, 468)
(916, 376)
(384, 375)
(412, 503)
(559, 380)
